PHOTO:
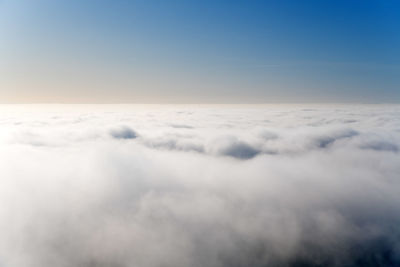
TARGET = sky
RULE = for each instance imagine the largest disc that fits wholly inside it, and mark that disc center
(199, 51)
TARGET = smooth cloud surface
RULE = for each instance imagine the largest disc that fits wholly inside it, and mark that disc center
(199, 186)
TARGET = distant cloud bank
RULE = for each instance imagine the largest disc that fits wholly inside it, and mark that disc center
(200, 186)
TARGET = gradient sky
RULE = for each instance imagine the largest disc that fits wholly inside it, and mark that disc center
(199, 51)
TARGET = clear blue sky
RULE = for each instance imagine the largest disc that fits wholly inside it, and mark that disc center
(199, 51)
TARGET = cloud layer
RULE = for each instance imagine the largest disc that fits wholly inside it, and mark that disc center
(199, 186)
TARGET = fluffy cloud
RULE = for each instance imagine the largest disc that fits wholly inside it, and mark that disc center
(199, 186)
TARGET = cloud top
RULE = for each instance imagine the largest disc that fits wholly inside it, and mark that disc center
(242, 186)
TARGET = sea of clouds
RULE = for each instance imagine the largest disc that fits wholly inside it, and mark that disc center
(175, 186)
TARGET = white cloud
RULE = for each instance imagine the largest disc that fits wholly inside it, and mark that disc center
(242, 186)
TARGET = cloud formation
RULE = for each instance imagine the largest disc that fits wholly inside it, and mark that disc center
(242, 186)
(123, 132)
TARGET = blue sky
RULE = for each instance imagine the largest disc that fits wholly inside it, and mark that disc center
(199, 51)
